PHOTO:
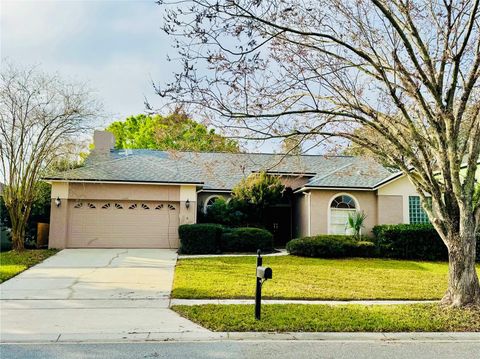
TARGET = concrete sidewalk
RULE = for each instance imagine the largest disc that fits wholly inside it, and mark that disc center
(279, 253)
(294, 301)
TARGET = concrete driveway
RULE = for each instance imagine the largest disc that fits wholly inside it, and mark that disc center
(93, 294)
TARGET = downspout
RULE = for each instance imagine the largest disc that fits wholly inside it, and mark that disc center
(309, 218)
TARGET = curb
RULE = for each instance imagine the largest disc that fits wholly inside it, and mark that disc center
(458, 337)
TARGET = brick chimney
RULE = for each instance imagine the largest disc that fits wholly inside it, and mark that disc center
(103, 141)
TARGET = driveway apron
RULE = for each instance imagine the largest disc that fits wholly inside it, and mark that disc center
(93, 294)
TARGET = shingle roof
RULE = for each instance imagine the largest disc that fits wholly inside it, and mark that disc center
(224, 170)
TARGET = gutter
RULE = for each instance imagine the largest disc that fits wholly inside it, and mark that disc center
(51, 179)
(213, 190)
(306, 188)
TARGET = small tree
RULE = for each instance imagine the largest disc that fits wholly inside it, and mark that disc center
(39, 115)
(356, 221)
(255, 193)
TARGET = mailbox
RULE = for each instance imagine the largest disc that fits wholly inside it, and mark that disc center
(264, 272)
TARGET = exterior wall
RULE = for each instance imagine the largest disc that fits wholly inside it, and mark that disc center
(320, 209)
(301, 215)
(57, 237)
(188, 215)
(68, 192)
(390, 209)
(401, 187)
(60, 189)
(108, 191)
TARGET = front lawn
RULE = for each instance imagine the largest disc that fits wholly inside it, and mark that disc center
(311, 278)
(12, 263)
(325, 318)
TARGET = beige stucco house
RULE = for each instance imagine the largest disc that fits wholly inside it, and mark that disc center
(138, 198)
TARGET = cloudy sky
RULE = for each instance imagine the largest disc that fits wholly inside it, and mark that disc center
(116, 47)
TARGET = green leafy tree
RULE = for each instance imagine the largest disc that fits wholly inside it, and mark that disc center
(173, 132)
(255, 193)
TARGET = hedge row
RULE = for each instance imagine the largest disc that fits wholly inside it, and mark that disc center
(330, 246)
(401, 241)
(200, 238)
(411, 241)
(214, 238)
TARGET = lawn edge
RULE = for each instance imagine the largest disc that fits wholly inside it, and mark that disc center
(43, 260)
(183, 311)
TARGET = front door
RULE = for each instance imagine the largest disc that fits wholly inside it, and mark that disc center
(279, 223)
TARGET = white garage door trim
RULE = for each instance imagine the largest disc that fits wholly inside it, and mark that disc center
(123, 224)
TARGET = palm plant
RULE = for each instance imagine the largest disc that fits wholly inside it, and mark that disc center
(356, 221)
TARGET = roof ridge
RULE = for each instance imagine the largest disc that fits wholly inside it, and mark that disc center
(239, 153)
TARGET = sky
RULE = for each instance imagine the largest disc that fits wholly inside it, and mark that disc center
(116, 47)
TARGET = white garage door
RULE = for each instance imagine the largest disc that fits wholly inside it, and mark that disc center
(123, 224)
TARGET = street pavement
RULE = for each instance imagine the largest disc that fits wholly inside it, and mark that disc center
(249, 349)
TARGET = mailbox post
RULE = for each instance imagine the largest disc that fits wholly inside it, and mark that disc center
(263, 273)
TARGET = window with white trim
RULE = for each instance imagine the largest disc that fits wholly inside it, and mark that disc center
(340, 208)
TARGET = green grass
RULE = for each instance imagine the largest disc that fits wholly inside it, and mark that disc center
(324, 318)
(12, 263)
(311, 278)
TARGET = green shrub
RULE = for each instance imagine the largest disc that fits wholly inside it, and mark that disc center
(201, 238)
(363, 249)
(246, 240)
(330, 246)
(409, 241)
(223, 212)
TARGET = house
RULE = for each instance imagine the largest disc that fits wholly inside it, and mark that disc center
(138, 198)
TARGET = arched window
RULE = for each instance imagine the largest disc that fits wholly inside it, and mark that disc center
(210, 200)
(340, 208)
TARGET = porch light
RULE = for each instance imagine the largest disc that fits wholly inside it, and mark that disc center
(58, 201)
(187, 203)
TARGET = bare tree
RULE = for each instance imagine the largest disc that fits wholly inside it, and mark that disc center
(406, 71)
(39, 115)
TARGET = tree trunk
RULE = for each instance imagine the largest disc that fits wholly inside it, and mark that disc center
(463, 285)
(18, 240)
(18, 230)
